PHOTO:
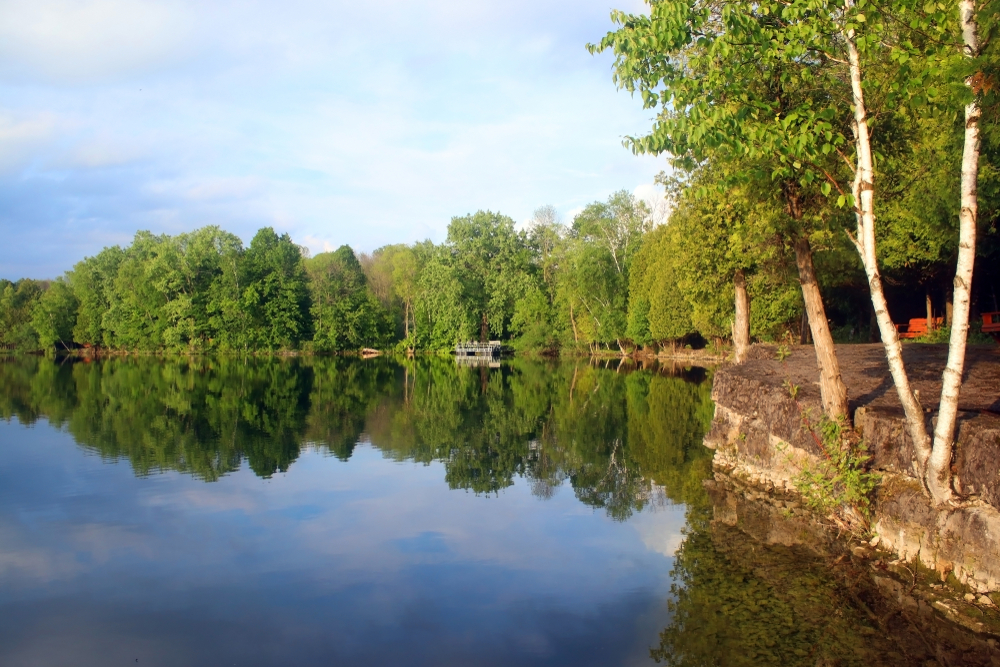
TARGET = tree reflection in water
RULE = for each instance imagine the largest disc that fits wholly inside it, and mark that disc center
(754, 585)
(621, 439)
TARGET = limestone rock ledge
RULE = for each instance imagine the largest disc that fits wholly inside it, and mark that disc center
(761, 439)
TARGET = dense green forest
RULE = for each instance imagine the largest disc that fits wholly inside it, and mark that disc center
(608, 280)
(620, 439)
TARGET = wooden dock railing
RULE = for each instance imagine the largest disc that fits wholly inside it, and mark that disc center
(489, 349)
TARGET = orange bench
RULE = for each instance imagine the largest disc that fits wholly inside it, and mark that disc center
(991, 324)
(917, 327)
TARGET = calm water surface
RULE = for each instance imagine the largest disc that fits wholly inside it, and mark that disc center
(335, 511)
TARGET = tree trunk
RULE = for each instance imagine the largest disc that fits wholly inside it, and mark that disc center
(804, 337)
(930, 307)
(831, 385)
(949, 311)
(572, 385)
(572, 320)
(741, 324)
(863, 190)
(939, 467)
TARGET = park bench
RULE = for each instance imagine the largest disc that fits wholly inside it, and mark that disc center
(917, 327)
(991, 325)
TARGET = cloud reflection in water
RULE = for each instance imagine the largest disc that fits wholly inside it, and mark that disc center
(366, 562)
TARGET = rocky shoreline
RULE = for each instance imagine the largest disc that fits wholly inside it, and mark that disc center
(762, 442)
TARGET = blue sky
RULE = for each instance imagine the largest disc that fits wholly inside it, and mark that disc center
(337, 122)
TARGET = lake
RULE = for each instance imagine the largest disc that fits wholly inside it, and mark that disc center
(375, 512)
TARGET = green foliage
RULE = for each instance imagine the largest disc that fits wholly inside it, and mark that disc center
(139, 295)
(792, 389)
(492, 264)
(91, 280)
(17, 304)
(659, 309)
(392, 273)
(616, 226)
(276, 295)
(481, 284)
(754, 108)
(533, 323)
(587, 270)
(638, 330)
(595, 291)
(731, 81)
(440, 316)
(346, 315)
(608, 281)
(685, 269)
(841, 484)
(941, 335)
(54, 315)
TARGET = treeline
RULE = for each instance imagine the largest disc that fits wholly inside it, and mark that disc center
(542, 288)
(620, 439)
(610, 279)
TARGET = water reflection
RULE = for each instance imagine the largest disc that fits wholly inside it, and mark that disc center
(331, 531)
(756, 585)
(620, 439)
(356, 513)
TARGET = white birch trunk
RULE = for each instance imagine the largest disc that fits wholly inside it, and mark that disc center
(864, 196)
(939, 468)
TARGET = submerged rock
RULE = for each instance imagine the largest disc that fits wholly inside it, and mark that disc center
(897, 614)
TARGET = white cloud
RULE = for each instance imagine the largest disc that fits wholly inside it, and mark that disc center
(661, 530)
(104, 151)
(22, 136)
(226, 188)
(655, 198)
(317, 245)
(573, 212)
(73, 40)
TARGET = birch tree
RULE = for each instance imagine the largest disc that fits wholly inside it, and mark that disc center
(703, 50)
(859, 35)
(939, 465)
(863, 197)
